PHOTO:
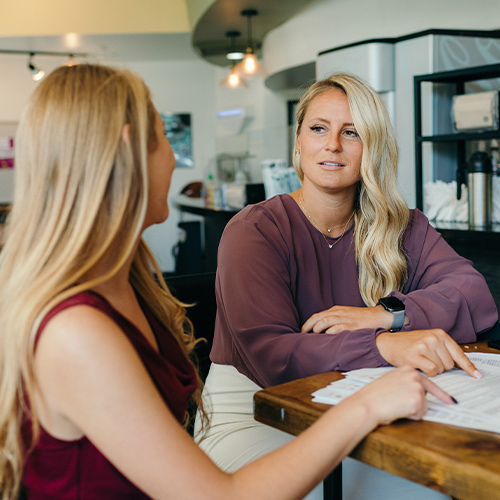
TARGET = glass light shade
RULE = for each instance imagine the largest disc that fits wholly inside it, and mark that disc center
(233, 80)
(235, 56)
(249, 66)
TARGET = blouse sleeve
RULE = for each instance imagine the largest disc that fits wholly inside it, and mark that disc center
(444, 290)
(257, 327)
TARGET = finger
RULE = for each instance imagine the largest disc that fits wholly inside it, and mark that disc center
(336, 329)
(422, 410)
(322, 324)
(308, 325)
(325, 322)
(465, 363)
(435, 390)
(431, 367)
(446, 358)
(311, 325)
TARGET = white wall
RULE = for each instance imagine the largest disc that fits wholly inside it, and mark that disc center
(15, 87)
(176, 86)
(181, 87)
(265, 136)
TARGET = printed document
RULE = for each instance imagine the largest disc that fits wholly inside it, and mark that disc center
(478, 399)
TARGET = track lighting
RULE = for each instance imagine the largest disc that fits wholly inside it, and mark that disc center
(36, 73)
(71, 60)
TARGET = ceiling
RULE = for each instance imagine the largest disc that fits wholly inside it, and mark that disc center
(153, 39)
(209, 34)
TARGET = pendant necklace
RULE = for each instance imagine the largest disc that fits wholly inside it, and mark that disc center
(318, 227)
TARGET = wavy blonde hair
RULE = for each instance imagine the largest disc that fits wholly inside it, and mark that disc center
(381, 215)
(80, 197)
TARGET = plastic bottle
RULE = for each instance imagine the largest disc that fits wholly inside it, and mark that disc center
(209, 191)
(213, 194)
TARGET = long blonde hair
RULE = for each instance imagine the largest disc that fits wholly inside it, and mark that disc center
(80, 197)
(381, 215)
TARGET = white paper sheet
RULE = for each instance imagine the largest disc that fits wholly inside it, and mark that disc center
(478, 399)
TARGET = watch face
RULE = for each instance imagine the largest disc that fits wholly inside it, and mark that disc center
(392, 304)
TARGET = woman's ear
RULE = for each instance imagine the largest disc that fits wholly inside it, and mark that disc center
(126, 133)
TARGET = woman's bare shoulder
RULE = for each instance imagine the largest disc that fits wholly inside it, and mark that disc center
(78, 326)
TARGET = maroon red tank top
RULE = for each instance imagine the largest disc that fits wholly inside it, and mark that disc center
(74, 470)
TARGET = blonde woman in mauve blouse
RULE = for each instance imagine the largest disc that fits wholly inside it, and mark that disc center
(338, 275)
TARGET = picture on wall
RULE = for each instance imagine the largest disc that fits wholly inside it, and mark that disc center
(178, 133)
(6, 152)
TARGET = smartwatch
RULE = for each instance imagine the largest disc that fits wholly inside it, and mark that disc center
(397, 308)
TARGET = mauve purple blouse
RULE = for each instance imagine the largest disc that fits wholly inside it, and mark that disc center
(275, 270)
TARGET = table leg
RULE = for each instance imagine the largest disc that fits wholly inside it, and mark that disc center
(332, 485)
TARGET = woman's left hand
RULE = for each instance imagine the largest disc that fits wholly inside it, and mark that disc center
(341, 318)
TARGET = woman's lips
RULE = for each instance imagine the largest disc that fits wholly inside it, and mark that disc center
(331, 164)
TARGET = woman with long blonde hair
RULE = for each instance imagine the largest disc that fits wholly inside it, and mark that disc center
(338, 275)
(95, 378)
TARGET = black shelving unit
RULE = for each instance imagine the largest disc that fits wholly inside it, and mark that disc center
(456, 82)
(481, 247)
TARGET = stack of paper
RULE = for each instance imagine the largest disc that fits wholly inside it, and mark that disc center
(478, 399)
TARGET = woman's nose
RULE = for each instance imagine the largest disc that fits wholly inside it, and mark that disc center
(334, 143)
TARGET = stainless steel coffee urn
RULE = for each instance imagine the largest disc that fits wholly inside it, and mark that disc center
(479, 189)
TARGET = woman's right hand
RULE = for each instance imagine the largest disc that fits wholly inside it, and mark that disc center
(399, 394)
(432, 351)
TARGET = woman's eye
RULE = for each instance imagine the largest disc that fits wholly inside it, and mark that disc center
(317, 128)
(351, 133)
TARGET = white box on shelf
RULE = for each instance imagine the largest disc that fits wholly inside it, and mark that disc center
(475, 112)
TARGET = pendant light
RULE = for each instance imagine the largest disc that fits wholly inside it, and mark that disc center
(234, 54)
(233, 80)
(249, 66)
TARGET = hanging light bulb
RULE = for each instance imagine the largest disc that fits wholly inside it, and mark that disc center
(249, 66)
(36, 73)
(233, 80)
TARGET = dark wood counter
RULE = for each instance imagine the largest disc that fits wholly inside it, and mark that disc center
(215, 221)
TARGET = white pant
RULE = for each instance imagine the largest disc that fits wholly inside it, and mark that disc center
(235, 439)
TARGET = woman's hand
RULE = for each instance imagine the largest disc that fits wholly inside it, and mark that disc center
(399, 394)
(432, 351)
(340, 318)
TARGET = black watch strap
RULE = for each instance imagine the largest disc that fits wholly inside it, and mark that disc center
(399, 321)
(397, 308)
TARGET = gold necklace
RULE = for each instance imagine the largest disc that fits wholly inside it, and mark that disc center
(316, 225)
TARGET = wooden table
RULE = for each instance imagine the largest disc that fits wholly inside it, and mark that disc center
(459, 462)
